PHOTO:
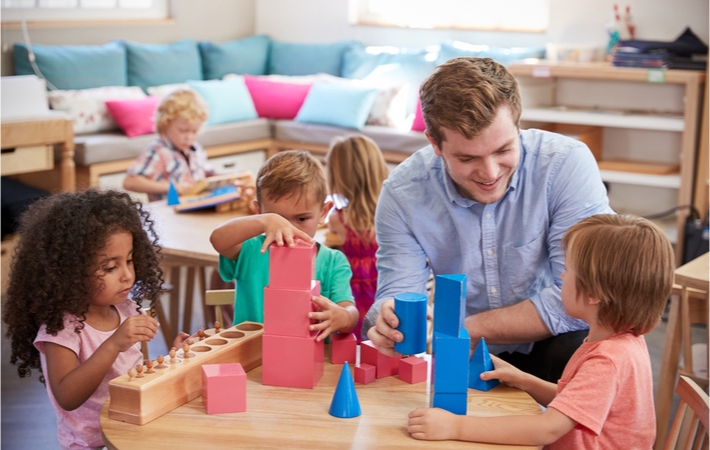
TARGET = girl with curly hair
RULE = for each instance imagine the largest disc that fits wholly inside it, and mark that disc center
(84, 264)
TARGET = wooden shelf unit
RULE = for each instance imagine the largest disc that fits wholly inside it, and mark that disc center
(677, 109)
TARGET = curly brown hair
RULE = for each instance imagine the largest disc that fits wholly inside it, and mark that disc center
(53, 266)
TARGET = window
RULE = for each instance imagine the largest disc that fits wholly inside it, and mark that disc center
(65, 10)
(499, 15)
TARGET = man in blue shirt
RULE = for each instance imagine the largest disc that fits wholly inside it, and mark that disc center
(492, 202)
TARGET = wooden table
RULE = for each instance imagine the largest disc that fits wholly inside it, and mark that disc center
(185, 241)
(28, 139)
(279, 417)
(689, 305)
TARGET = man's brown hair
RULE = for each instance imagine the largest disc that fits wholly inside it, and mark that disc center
(464, 95)
(291, 172)
(627, 263)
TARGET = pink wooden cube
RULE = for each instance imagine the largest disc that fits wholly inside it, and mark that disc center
(292, 361)
(286, 310)
(343, 347)
(292, 267)
(386, 365)
(365, 373)
(413, 370)
(224, 388)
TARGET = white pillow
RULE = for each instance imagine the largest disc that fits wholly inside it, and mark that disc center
(165, 89)
(87, 107)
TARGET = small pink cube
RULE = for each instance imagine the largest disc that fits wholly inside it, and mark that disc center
(413, 370)
(343, 347)
(365, 373)
(224, 388)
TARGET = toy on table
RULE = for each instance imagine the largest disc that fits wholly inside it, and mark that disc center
(223, 192)
(345, 403)
(481, 362)
(224, 388)
(411, 308)
(140, 400)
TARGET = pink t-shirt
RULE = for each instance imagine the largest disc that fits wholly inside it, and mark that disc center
(80, 429)
(607, 388)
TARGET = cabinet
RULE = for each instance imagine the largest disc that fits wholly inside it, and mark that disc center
(650, 121)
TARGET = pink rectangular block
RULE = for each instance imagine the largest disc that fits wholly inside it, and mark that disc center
(365, 373)
(386, 365)
(224, 388)
(343, 347)
(286, 310)
(413, 370)
(292, 267)
(292, 361)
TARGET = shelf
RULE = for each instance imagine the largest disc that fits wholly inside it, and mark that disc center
(642, 179)
(604, 118)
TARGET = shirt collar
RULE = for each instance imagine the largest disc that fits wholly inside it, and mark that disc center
(171, 146)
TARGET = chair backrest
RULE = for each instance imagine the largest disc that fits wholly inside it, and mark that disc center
(219, 298)
(690, 426)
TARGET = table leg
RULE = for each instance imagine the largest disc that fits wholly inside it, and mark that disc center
(67, 162)
(669, 370)
(189, 294)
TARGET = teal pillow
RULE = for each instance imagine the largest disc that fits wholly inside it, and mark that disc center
(454, 49)
(227, 101)
(75, 66)
(337, 104)
(307, 59)
(158, 64)
(245, 56)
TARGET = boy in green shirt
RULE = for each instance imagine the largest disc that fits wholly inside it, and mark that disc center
(290, 200)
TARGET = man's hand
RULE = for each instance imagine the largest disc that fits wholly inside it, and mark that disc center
(383, 334)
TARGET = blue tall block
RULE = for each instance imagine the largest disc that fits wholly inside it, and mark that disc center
(410, 308)
(481, 362)
(450, 362)
(449, 304)
(456, 403)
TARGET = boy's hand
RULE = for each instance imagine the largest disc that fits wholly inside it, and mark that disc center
(432, 424)
(180, 339)
(183, 187)
(331, 316)
(134, 329)
(280, 231)
(505, 372)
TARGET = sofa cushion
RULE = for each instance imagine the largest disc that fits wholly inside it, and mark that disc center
(227, 101)
(156, 64)
(388, 139)
(105, 147)
(243, 56)
(337, 104)
(134, 117)
(303, 59)
(274, 99)
(454, 49)
(75, 66)
(87, 107)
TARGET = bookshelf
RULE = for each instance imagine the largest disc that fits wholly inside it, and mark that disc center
(650, 120)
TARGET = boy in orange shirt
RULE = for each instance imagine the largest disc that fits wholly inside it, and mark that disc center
(619, 274)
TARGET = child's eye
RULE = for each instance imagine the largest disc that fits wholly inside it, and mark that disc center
(109, 269)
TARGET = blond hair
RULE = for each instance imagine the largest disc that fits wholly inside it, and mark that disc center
(627, 263)
(464, 95)
(356, 171)
(291, 172)
(184, 103)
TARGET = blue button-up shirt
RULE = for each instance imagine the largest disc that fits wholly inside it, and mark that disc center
(510, 250)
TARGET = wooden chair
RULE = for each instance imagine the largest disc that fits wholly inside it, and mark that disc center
(219, 298)
(690, 426)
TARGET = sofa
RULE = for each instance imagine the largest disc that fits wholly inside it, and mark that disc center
(262, 94)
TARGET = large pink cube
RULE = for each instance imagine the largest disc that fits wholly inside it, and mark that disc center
(413, 370)
(224, 388)
(386, 365)
(365, 373)
(286, 310)
(343, 347)
(292, 361)
(292, 267)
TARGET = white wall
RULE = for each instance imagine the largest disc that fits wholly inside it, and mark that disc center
(571, 22)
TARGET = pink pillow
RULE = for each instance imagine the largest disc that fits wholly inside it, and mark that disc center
(135, 116)
(418, 124)
(274, 99)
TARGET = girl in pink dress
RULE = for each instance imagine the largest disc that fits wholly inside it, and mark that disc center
(356, 170)
(83, 266)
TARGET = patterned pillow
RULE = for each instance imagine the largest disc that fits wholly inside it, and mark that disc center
(88, 106)
(165, 89)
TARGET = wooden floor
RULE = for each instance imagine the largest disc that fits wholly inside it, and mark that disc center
(28, 420)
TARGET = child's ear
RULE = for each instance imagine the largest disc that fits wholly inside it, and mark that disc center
(257, 207)
(327, 206)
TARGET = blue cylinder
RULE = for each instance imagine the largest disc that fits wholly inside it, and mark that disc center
(410, 308)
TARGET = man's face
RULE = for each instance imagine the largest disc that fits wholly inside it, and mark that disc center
(482, 167)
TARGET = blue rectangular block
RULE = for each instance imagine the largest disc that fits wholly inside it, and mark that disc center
(456, 403)
(450, 362)
(449, 304)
